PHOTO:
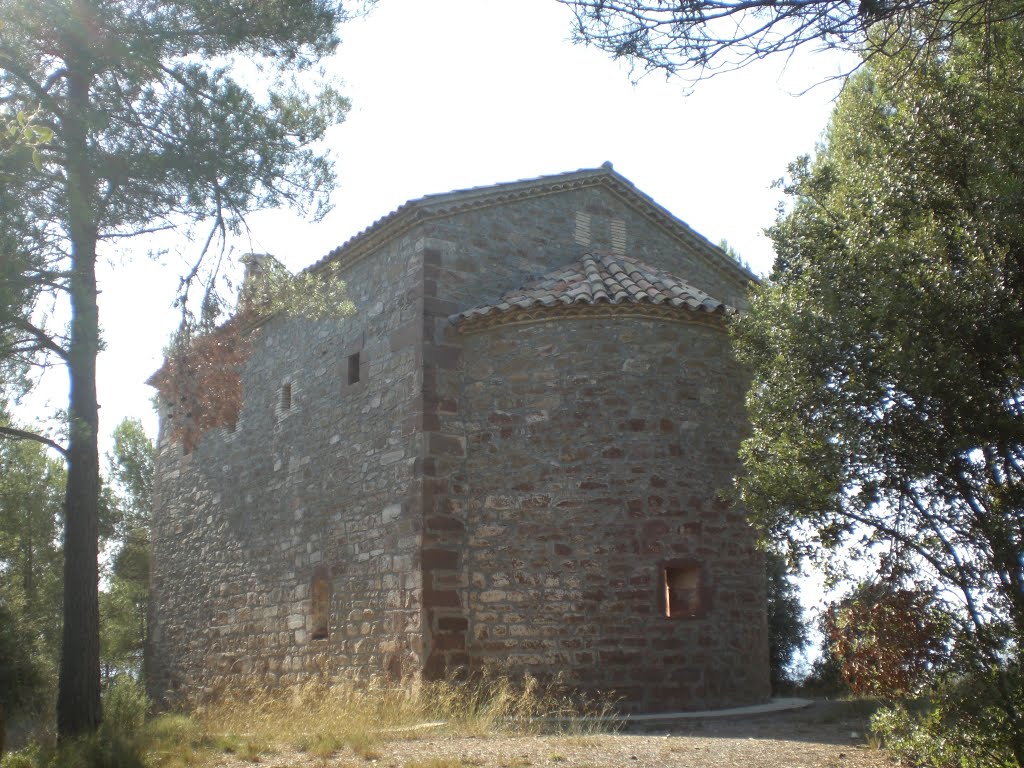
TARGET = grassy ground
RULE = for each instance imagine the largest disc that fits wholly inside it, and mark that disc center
(318, 722)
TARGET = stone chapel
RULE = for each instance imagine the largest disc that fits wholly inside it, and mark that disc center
(511, 455)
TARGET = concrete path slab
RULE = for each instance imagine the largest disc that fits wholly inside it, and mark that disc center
(769, 707)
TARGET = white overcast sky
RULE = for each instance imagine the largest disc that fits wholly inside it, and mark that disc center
(448, 94)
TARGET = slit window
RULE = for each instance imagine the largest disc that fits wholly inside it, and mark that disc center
(286, 397)
(684, 593)
(320, 595)
(353, 368)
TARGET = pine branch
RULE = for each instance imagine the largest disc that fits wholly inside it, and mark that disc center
(21, 434)
(42, 338)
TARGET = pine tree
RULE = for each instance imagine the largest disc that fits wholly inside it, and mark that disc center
(153, 126)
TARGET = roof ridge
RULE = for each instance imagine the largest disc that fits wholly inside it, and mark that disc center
(441, 204)
(467, 194)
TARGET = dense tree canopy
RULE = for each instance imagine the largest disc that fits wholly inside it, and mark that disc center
(787, 629)
(163, 115)
(124, 603)
(888, 345)
(31, 486)
(31, 489)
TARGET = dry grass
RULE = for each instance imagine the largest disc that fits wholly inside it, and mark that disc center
(828, 735)
(487, 724)
(326, 723)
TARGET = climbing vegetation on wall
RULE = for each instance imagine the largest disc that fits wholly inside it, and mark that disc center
(200, 382)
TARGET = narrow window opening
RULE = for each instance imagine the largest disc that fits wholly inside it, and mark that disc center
(353, 368)
(320, 595)
(683, 598)
(188, 439)
(286, 397)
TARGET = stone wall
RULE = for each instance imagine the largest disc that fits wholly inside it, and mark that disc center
(596, 451)
(477, 484)
(496, 249)
(511, 496)
(325, 489)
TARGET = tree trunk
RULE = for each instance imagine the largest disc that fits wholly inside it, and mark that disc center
(78, 696)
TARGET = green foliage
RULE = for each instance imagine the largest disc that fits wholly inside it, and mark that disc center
(19, 133)
(184, 115)
(22, 671)
(963, 727)
(826, 676)
(124, 604)
(787, 630)
(122, 742)
(271, 289)
(124, 607)
(124, 707)
(888, 381)
(131, 469)
(30, 757)
(173, 728)
(95, 751)
(31, 487)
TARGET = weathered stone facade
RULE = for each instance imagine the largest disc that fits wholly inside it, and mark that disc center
(447, 480)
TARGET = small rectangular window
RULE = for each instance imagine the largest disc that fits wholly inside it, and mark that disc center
(320, 594)
(684, 593)
(286, 397)
(353, 368)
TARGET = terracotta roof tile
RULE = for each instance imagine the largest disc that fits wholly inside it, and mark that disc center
(596, 280)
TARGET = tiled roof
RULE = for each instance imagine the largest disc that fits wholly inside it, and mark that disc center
(594, 281)
(448, 203)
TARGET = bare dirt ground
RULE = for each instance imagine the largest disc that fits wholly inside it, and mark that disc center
(826, 735)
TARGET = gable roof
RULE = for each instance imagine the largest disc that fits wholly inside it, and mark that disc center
(596, 282)
(447, 203)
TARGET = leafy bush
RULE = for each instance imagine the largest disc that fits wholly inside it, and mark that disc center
(890, 639)
(964, 726)
(124, 707)
(97, 751)
(25, 758)
(120, 743)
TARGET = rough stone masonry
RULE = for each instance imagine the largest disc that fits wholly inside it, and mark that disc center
(512, 455)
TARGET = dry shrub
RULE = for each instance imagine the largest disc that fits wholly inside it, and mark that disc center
(201, 380)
